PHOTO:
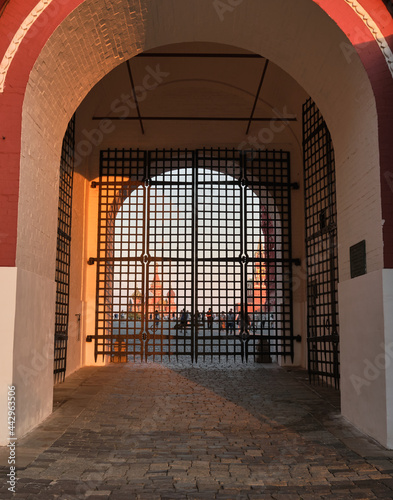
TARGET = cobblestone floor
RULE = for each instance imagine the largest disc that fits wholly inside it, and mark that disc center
(208, 432)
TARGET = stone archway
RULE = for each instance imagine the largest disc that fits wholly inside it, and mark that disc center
(310, 50)
(331, 81)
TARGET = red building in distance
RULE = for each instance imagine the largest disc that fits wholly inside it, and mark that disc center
(164, 304)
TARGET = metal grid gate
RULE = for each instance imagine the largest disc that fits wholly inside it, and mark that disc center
(321, 248)
(194, 255)
(63, 252)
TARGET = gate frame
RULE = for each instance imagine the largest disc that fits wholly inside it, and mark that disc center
(322, 339)
(63, 253)
(123, 191)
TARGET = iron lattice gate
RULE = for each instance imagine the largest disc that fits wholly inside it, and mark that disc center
(194, 255)
(63, 252)
(321, 248)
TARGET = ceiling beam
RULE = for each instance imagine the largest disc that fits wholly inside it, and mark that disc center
(200, 54)
(135, 98)
(257, 96)
(196, 118)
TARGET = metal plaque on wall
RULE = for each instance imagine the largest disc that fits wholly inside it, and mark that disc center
(358, 259)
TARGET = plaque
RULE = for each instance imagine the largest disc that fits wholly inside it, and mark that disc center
(357, 255)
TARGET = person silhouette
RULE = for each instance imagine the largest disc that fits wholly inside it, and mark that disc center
(243, 320)
(231, 322)
(209, 318)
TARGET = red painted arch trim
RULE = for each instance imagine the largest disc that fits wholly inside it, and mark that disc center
(382, 83)
(11, 101)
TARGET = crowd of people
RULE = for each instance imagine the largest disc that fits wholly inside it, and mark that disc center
(227, 321)
(230, 321)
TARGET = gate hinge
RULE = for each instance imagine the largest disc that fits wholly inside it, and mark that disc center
(295, 185)
(297, 262)
(94, 184)
(91, 261)
(89, 338)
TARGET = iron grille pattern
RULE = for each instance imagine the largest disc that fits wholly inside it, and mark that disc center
(194, 254)
(321, 248)
(63, 252)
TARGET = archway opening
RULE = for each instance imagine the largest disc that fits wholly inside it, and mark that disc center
(56, 91)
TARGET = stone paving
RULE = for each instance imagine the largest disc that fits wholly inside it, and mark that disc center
(177, 431)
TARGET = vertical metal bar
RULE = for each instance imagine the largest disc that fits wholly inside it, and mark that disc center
(220, 203)
(332, 260)
(210, 176)
(146, 257)
(201, 346)
(194, 254)
(332, 231)
(243, 259)
(305, 200)
(98, 255)
(246, 193)
(290, 270)
(178, 318)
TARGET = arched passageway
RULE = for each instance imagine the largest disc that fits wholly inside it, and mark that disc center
(54, 68)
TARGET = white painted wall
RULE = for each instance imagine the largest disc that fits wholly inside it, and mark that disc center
(387, 280)
(8, 279)
(27, 317)
(33, 348)
(366, 305)
(362, 334)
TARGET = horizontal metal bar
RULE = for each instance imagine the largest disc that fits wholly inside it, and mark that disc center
(200, 183)
(200, 55)
(59, 337)
(268, 184)
(224, 183)
(225, 151)
(124, 337)
(202, 154)
(322, 232)
(195, 118)
(63, 234)
(250, 183)
(320, 127)
(324, 338)
(58, 370)
(199, 259)
(324, 374)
